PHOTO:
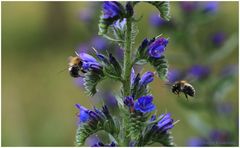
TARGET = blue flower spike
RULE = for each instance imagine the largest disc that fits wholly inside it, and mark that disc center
(147, 78)
(131, 106)
(157, 48)
(112, 9)
(144, 104)
(83, 114)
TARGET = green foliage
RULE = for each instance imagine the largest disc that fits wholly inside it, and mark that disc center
(135, 124)
(84, 131)
(160, 65)
(134, 32)
(165, 139)
(104, 24)
(111, 66)
(103, 122)
(91, 79)
(163, 8)
(138, 90)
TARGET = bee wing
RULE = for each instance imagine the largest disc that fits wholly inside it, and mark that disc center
(69, 59)
(190, 79)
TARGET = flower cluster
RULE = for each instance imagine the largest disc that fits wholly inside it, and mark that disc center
(89, 62)
(134, 105)
(112, 9)
(215, 138)
(206, 7)
(153, 48)
(143, 104)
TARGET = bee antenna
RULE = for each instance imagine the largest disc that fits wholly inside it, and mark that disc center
(76, 53)
(62, 70)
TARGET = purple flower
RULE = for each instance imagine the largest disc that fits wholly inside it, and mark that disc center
(110, 100)
(218, 38)
(219, 136)
(91, 140)
(199, 71)
(118, 53)
(120, 24)
(86, 15)
(165, 123)
(100, 144)
(144, 104)
(210, 6)
(89, 62)
(132, 76)
(189, 6)
(83, 114)
(129, 101)
(197, 141)
(155, 20)
(173, 75)
(111, 9)
(99, 43)
(153, 117)
(147, 78)
(229, 70)
(157, 48)
(224, 108)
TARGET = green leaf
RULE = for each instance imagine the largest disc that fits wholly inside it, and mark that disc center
(141, 62)
(117, 67)
(165, 139)
(163, 7)
(104, 122)
(83, 132)
(103, 24)
(134, 32)
(91, 79)
(160, 65)
(135, 125)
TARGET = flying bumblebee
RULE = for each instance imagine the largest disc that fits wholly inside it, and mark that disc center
(184, 87)
(75, 66)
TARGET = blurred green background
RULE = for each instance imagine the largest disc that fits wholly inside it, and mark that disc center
(38, 100)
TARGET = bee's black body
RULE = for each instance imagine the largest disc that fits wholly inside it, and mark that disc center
(184, 87)
(74, 71)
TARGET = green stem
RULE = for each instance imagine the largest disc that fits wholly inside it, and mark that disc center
(127, 58)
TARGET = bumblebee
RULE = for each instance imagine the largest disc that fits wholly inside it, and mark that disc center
(184, 87)
(75, 66)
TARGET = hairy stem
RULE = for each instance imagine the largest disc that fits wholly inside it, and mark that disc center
(127, 58)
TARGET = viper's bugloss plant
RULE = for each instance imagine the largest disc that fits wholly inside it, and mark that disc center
(136, 122)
